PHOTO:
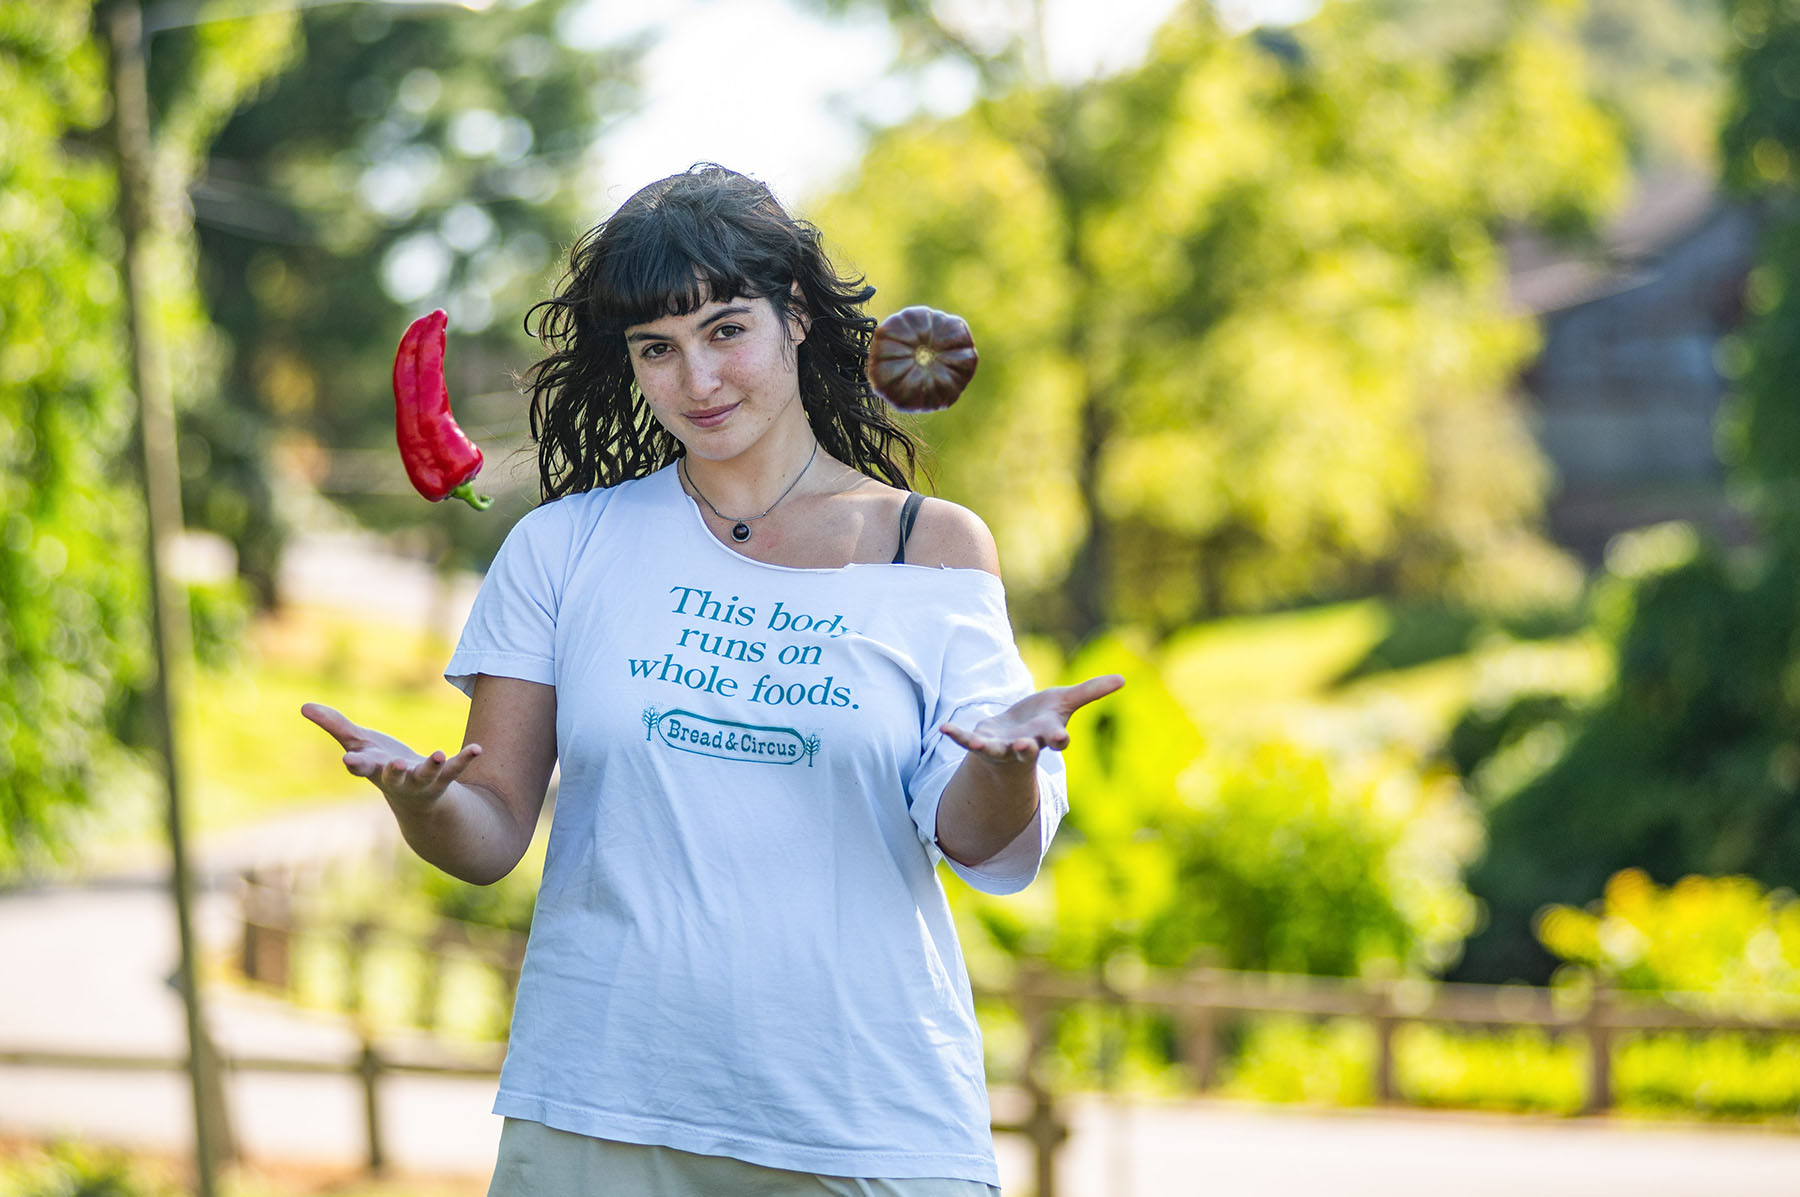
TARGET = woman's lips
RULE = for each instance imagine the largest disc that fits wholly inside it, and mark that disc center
(712, 415)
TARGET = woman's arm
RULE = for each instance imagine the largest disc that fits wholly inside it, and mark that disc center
(472, 814)
(993, 794)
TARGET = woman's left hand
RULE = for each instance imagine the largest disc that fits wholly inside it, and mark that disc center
(1017, 734)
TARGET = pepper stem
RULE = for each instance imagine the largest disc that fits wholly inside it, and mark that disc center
(466, 492)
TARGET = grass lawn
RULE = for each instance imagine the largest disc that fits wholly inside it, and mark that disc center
(1317, 675)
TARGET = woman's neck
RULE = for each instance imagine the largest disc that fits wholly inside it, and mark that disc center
(752, 481)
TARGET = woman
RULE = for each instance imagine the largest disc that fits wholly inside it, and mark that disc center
(780, 688)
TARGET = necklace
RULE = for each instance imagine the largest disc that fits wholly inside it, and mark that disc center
(740, 528)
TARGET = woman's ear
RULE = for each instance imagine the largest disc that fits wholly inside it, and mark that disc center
(797, 312)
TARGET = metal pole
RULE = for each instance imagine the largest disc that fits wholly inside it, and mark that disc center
(130, 128)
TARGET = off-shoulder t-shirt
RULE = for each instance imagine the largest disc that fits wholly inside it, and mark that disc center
(741, 946)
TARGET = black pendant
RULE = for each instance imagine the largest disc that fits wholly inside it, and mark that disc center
(740, 532)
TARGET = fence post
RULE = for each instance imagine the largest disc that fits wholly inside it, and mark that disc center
(1198, 1024)
(1599, 1038)
(356, 946)
(268, 929)
(431, 973)
(1046, 1130)
(368, 1067)
(1384, 1018)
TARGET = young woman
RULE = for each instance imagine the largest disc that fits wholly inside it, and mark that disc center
(780, 688)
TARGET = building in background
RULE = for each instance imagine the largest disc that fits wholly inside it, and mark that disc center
(1627, 388)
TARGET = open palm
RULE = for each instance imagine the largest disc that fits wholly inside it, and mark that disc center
(403, 775)
(1032, 724)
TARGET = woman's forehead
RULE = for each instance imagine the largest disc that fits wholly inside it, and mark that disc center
(709, 309)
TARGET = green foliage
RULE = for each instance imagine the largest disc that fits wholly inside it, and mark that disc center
(1659, 65)
(506, 905)
(1655, 66)
(1179, 852)
(1718, 936)
(1686, 764)
(1272, 275)
(220, 616)
(73, 640)
(1332, 1062)
(74, 1170)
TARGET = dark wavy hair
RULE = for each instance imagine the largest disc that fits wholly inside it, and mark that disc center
(703, 234)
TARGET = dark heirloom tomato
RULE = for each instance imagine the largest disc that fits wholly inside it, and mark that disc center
(920, 359)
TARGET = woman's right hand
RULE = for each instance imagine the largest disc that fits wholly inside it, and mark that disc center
(406, 778)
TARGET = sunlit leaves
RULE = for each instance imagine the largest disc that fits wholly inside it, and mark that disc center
(1272, 280)
(72, 644)
(1723, 935)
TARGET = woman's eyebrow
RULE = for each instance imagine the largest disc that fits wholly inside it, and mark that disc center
(736, 309)
(739, 309)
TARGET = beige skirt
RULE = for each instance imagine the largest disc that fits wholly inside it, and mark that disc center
(540, 1161)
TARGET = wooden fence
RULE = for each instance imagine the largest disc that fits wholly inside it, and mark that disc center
(1197, 1003)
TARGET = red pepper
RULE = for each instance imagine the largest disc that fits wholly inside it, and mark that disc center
(440, 459)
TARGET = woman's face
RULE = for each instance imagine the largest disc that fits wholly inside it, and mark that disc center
(719, 377)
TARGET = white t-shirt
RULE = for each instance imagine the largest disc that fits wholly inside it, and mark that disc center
(741, 947)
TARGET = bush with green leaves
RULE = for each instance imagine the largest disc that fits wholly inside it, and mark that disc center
(1724, 938)
(75, 1170)
(1686, 764)
(1179, 853)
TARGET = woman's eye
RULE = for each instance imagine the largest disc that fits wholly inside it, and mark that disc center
(727, 331)
(650, 352)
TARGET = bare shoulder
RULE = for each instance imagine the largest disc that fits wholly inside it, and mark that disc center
(951, 535)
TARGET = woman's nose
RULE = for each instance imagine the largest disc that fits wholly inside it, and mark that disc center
(702, 374)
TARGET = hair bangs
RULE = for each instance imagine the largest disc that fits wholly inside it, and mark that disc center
(671, 260)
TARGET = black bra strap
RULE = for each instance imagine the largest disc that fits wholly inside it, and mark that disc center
(908, 514)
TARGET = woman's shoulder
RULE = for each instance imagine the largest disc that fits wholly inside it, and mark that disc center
(949, 535)
(944, 534)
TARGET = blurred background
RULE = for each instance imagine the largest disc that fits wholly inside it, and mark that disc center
(1400, 393)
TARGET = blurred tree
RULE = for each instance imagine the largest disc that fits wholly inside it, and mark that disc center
(409, 159)
(72, 629)
(73, 633)
(1241, 309)
(1691, 762)
(1657, 66)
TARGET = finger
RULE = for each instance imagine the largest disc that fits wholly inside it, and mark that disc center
(340, 728)
(966, 739)
(393, 774)
(454, 767)
(1073, 698)
(361, 764)
(427, 771)
(972, 741)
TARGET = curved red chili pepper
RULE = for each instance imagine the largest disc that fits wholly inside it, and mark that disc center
(440, 459)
